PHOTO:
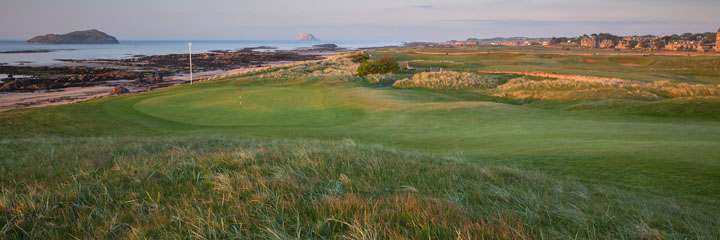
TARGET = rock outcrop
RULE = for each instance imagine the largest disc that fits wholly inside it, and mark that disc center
(80, 37)
(117, 90)
(306, 37)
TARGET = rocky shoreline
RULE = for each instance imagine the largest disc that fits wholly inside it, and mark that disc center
(46, 78)
(142, 70)
(82, 80)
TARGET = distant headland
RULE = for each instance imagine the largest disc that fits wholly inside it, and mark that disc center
(306, 37)
(80, 37)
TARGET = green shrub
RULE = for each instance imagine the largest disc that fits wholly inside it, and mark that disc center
(359, 57)
(382, 65)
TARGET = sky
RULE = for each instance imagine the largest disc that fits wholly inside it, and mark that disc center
(379, 20)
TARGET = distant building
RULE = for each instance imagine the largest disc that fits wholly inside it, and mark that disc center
(507, 43)
(717, 41)
(589, 42)
(683, 45)
(623, 44)
(607, 43)
(459, 43)
(708, 47)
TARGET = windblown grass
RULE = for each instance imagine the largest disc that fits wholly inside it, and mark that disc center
(206, 188)
(338, 67)
(563, 90)
(560, 87)
(567, 90)
(451, 80)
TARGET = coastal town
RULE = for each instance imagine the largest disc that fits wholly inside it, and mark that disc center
(692, 42)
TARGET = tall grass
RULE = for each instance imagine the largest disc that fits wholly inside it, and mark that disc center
(564, 89)
(569, 90)
(209, 188)
(450, 80)
(561, 87)
(338, 67)
(672, 90)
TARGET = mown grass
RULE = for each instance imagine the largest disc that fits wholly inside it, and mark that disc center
(217, 187)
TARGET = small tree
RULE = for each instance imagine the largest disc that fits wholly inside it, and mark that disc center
(645, 44)
(384, 64)
(659, 43)
(633, 43)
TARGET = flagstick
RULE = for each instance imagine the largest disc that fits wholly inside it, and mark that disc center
(190, 48)
(240, 96)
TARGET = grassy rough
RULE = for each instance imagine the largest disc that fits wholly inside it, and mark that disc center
(214, 187)
(451, 80)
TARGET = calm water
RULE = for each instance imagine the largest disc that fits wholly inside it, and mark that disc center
(127, 49)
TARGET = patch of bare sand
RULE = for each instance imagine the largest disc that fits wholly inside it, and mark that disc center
(12, 100)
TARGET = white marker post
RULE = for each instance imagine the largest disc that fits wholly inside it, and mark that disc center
(190, 48)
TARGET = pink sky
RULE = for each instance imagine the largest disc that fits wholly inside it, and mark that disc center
(354, 20)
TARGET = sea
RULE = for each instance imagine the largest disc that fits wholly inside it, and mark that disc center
(128, 49)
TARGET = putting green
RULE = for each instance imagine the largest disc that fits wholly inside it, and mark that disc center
(267, 106)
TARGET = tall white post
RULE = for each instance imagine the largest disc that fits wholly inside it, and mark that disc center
(190, 48)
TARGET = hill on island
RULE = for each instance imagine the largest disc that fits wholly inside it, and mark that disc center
(306, 37)
(79, 37)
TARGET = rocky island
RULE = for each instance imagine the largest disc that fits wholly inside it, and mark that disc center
(80, 37)
(306, 37)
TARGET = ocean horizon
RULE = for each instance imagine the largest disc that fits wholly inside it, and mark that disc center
(130, 48)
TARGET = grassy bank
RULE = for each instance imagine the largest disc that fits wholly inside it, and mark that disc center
(214, 187)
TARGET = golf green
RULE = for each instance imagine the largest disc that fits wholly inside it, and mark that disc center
(222, 106)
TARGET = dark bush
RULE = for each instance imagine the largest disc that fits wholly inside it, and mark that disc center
(359, 57)
(384, 64)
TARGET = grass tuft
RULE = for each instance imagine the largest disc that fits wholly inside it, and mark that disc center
(216, 187)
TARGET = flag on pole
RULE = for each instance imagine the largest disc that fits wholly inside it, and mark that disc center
(190, 54)
(240, 95)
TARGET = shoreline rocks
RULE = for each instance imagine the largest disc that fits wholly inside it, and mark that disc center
(117, 90)
(142, 71)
